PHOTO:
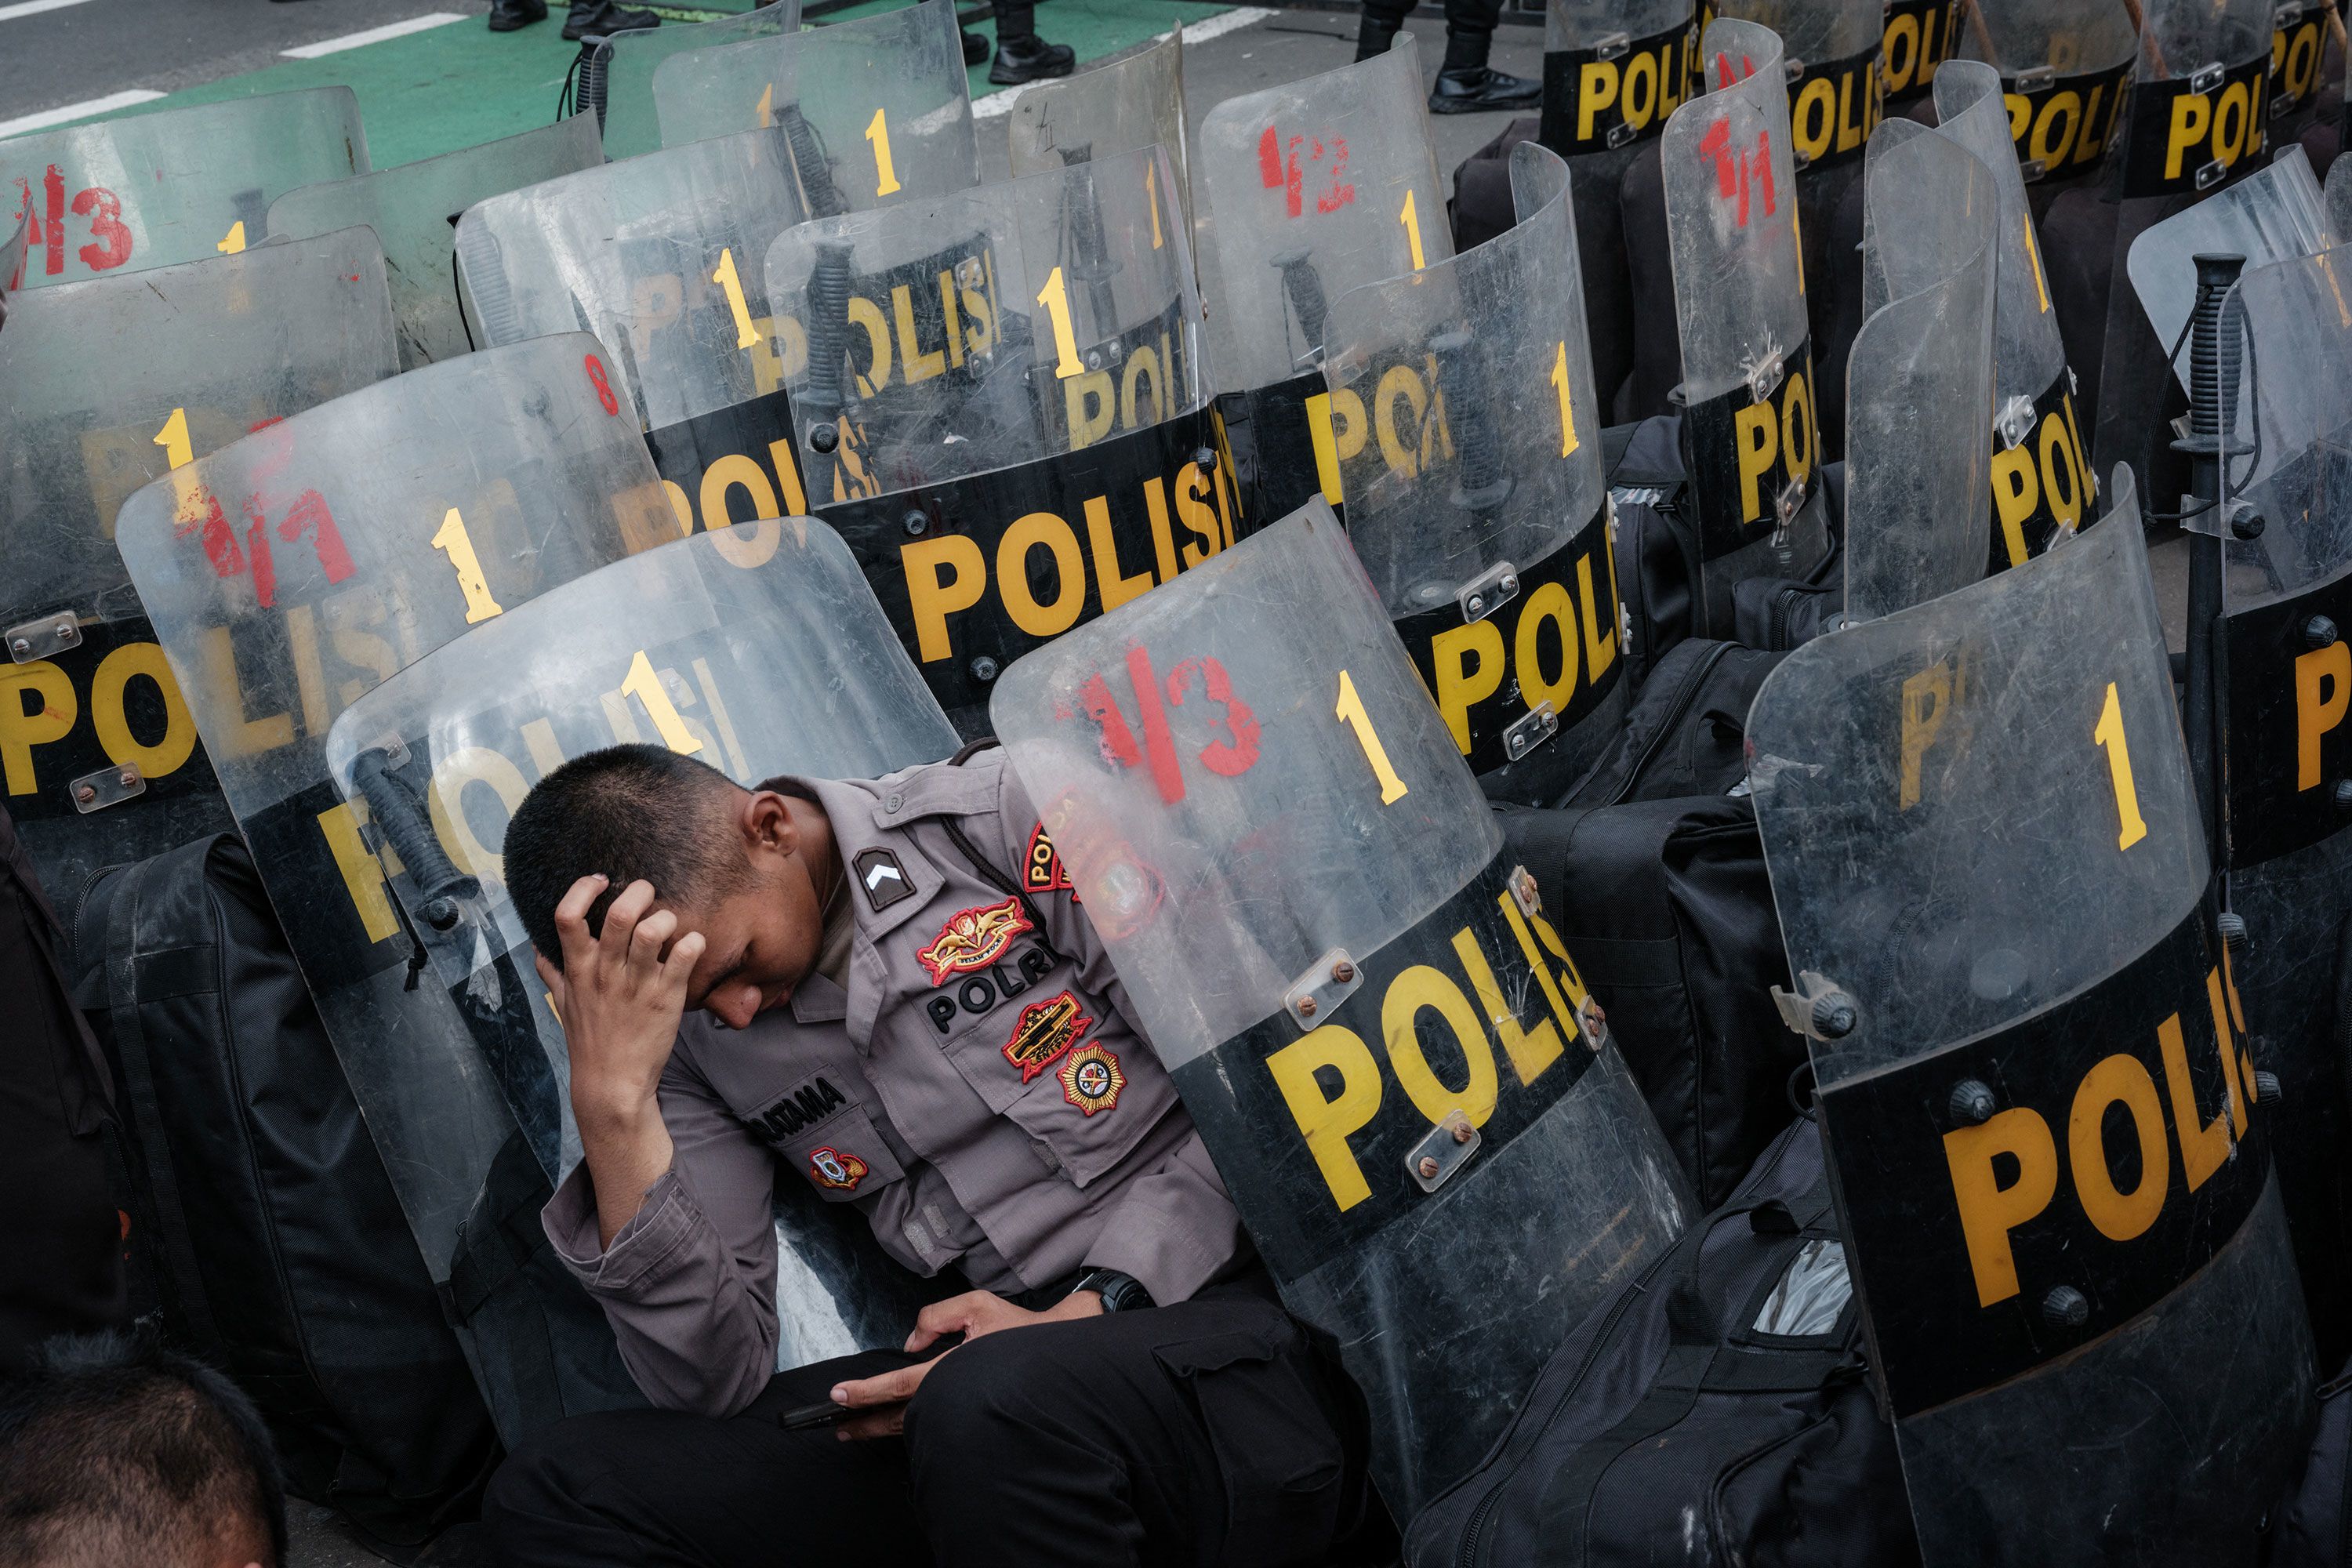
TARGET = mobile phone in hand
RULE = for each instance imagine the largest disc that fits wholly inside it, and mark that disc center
(807, 1417)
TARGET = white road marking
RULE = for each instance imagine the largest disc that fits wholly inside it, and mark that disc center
(34, 8)
(373, 35)
(48, 117)
(1216, 27)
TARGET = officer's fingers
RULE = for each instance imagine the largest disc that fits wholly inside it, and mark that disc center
(889, 1388)
(653, 933)
(678, 968)
(572, 918)
(553, 978)
(951, 1316)
(888, 1422)
(621, 919)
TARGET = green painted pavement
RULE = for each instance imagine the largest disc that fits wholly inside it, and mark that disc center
(461, 85)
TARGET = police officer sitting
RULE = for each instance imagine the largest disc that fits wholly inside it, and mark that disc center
(865, 987)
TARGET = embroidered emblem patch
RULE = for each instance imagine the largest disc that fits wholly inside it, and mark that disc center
(1091, 1079)
(884, 880)
(1046, 1029)
(1041, 868)
(837, 1170)
(974, 939)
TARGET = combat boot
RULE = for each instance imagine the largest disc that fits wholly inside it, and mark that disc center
(602, 18)
(1030, 59)
(1481, 88)
(506, 15)
(975, 48)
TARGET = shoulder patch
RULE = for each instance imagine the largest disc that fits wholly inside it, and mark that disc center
(1040, 865)
(885, 880)
(974, 939)
(1091, 1079)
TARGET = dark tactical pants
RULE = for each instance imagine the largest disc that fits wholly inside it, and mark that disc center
(1208, 1432)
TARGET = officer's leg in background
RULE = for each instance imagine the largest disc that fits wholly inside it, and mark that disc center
(1466, 82)
(1021, 55)
(655, 1489)
(1208, 1431)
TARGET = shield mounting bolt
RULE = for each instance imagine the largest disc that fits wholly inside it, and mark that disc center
(2318, 632)
(2233, 930)
(984, 668)
(1971, 1103)
(1834, 1015)
(2065, 1308)
(2343, 792)
(917, 522)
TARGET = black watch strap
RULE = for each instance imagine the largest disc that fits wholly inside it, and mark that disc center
(1120, 1292)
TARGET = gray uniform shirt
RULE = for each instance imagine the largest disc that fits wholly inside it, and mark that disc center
(976, 1090)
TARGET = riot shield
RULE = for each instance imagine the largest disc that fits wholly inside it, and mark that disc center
(2058, 1204)
(414, 210)
(2273, 214)
(1005, 409)
(367, 532)
(2299, 31)
(621, 75)
(180, 185)
(1124, 106)
(2042, 485)
(1428, 1132)
(878, 108)
(659, 255)
(757, 648)
(1918, 450)
(1751, 431)
(1462, 428)
(1305, 191)
(2285, 678)
(2336, 194)
(1918, 37)
(12, 263)
(2065, 70)
(105, 385)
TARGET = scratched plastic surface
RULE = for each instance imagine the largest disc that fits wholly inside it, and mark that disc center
(884, 99)
(1122, 107)
(412, 209)
(1814, 31)
(1583, 24)
(291, 570)
(2028, 353)
(1918, 449)
(2293, 421)
(2068, 38)
(1275, 848)
(628, 60)
(2181, 38)
(629, 251)
(1301, 193)
(1076, 292)
(152, 190)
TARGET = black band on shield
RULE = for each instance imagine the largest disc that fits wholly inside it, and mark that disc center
(1595, 99)
(2290, 747)
(2061, 128)
(1740, 461)
(2188, 134)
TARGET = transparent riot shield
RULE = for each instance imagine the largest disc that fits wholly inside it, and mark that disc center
(2058, 1204)
(2065, 70)
(659, 255)
(758, 648)
(1435, 1146)
(2042, 485)
(1124, 106)
(179, 184)
(2336, 192)
(105, 385)
(290, 571)
(1919, 451)
(1918, 37)
(12, 263)
(1304, 192)
(2274, 214)
(2299, 30)
(1462, 428)
(621, 76)
(1751, 431)
(2285, 678)
(1829, 52)
(414, 210)
(878, 108)
(1004, 408)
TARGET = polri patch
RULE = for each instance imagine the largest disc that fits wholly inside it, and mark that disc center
(974, 939)
(1046, 1030)
(833, 1169)
(1041, 868)
(1091, 1079)
(885, 880)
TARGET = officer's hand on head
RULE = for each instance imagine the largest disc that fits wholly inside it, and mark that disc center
(620, 997)
(883, 1400)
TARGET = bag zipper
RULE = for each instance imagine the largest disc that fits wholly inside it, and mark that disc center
(1684, 697)
(1468, 1555)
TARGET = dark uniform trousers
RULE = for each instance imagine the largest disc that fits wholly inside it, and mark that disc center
(1207, 1431)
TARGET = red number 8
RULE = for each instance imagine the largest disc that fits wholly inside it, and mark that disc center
(604, 387)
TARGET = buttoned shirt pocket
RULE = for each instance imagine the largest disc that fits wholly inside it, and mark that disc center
(828, 1139)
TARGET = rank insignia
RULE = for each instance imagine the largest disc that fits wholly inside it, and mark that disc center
(1091, 1079)
(840, 1171)
(974, 939)
(1041, 868)
(1045, 1031)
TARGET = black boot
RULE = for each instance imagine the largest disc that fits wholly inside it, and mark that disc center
(1373, 38)
(1030, 59)
(602, 19)
(1481, 88)
(975, 49)
(506, 15)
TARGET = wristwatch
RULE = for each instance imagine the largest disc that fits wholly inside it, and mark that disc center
(1120, 1292)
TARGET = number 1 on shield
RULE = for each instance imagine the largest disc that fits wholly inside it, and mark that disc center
(1056, 297)
(728, 279)
(1351, 712)
(644, 685)
(1411, 229)
(173, 438)
(878, 131)
(454, 543)
(1151, 200)
(1567, 414)
(2110, 734)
